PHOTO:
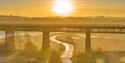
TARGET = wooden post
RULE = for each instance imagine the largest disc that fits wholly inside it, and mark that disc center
(9, 40)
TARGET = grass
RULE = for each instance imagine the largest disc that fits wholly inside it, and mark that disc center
(101, 45)
(29, 52)
(115, 43)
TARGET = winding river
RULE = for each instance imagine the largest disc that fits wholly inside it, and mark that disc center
(67, 54)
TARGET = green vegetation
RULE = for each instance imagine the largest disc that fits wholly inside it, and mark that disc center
(55, 57)
(104, 46)
(28, 50)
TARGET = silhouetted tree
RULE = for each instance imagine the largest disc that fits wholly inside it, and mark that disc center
(30, 49)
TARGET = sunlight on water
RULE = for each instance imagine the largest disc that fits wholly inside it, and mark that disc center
(122, 59)
(99, 60)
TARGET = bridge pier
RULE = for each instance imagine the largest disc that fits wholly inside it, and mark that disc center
(45, 52)
(88, 53)
(88, 41)
(9, 40)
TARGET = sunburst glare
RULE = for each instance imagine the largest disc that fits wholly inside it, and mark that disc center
(63, 7)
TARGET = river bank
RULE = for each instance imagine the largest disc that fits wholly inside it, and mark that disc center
(67, 54)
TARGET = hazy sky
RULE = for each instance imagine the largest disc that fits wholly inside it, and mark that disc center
(44, 7)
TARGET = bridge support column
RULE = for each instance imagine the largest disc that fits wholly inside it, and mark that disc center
(45, 52)
(9, 41)
(88, 41)
(88, 52)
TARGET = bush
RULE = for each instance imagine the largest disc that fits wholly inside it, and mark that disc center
(30, 50)
(55, 57)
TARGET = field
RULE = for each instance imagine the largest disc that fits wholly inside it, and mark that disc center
(28, 47)
(108, 47)
(104, 46)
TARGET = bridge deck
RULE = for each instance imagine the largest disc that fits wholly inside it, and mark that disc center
(56, 26)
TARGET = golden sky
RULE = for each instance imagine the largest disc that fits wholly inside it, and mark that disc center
(43, 8)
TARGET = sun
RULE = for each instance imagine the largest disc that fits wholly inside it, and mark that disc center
(63, 7)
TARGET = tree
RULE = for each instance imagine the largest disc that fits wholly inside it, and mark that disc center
(30, 49)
